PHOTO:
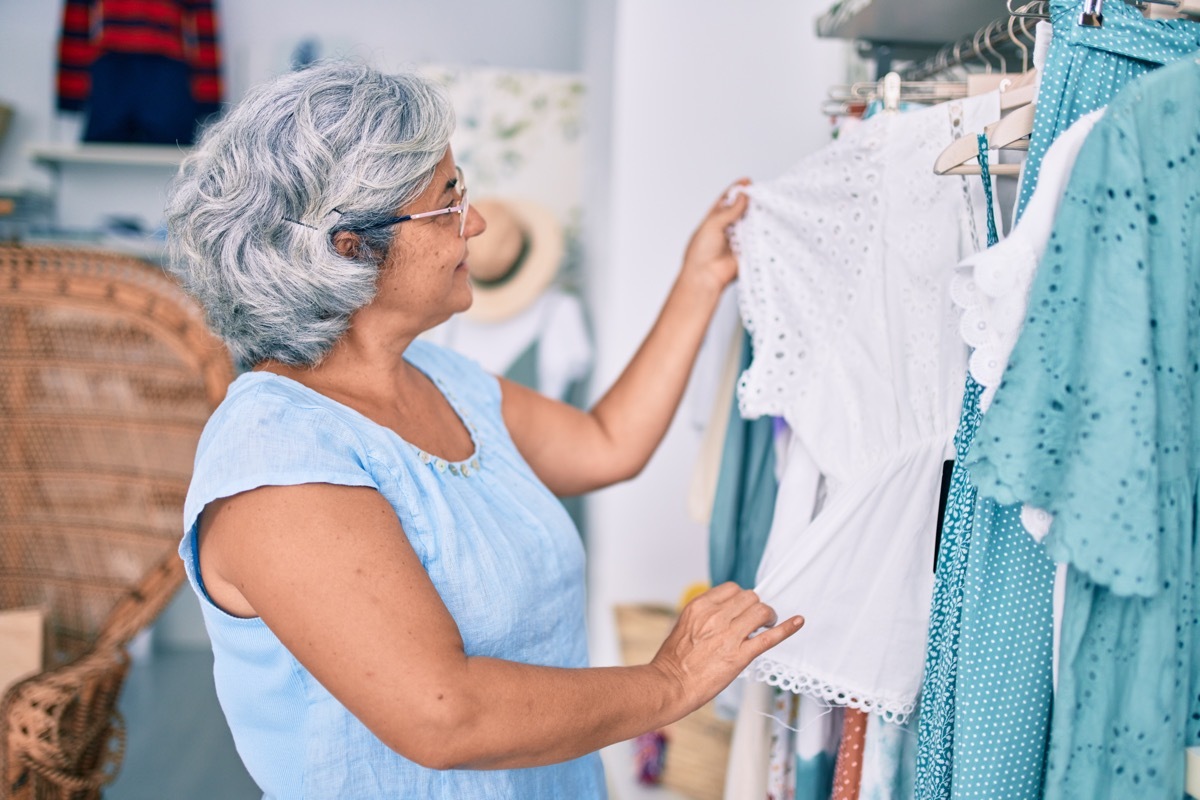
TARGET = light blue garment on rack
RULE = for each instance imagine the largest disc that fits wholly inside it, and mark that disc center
(745, 498)
(1097, 422)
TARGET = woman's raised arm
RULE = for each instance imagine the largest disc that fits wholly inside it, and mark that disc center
(622, 431)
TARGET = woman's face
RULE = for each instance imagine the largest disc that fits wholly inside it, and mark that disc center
(425, 274)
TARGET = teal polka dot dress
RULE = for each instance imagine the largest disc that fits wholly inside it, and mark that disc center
(1087, 66)
(935, 733)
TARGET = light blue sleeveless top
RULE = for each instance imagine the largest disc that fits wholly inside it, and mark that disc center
(503, 554)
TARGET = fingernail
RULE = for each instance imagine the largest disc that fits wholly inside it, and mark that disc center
(798, 621)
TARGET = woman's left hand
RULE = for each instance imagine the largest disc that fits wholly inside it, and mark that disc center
(708, 253)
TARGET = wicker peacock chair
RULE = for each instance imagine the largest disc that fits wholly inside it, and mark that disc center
(107, 376)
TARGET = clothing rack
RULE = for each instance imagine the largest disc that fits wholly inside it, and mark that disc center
(989, 47)
(1003, 38)
(993, 46)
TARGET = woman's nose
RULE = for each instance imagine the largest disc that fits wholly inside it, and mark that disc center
(476, 224)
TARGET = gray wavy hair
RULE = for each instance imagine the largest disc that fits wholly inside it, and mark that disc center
(252, 212)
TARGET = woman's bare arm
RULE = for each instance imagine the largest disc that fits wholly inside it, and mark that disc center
(626, 426)
(332, 574)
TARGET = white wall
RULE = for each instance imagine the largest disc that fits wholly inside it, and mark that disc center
(694, 94)
(28, 32)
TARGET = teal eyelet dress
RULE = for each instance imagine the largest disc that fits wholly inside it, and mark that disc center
(985, 714)
(1098, 422)
(498, 546)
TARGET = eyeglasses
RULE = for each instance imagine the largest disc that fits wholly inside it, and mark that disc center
(460, 209)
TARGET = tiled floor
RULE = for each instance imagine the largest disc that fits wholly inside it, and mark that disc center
(178, 745)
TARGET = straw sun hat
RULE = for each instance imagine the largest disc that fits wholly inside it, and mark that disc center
(515, 259)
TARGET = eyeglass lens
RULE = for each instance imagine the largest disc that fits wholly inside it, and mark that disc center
(465, 204)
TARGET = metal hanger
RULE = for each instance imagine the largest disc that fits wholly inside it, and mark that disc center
(987, 43)
(1092, 15)
(1023, 89)
(1032, 10)
(1017, 42)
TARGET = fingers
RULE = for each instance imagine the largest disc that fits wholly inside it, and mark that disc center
(772, 636)
(732, 194)
(743, 614)
(742, 609)
(721, 593)
(734, 211)
(731, 205)
(756, 615)
(727, 601)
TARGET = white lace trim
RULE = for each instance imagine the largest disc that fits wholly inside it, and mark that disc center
(993, 292)
(804, 682)
(992, 289)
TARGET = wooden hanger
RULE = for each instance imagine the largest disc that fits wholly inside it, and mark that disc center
(1021, 92)
(1012, 131)
(1009, 133)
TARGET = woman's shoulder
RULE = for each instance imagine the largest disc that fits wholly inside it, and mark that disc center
(270, 430)
(270, 418)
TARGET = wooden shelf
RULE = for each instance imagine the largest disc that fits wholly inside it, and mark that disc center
(123, 155)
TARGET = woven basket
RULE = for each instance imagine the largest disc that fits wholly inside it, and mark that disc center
(698, 744)
(107, 377)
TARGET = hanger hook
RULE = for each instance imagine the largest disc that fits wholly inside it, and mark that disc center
(1017, 43)
(1028, 10)
(943, 57)
(932, 65)
(987, 42)
(987, 65)
(956, 51)
(1025, 31)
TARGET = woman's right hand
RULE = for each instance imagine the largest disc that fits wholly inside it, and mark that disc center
(711, 642)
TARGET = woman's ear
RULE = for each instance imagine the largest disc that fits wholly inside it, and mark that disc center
(346, 244)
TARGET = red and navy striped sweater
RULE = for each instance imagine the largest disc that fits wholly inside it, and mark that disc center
(185, 30)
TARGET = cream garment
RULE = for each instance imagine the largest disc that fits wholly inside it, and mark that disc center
(749, 756)
(706, 474)
(992, 289)
(845, 269)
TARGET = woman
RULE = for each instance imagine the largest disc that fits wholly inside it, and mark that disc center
(394, 595)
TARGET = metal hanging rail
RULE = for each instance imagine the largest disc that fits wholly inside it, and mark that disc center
(986, 47)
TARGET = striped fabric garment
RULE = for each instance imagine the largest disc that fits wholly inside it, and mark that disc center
(184, 30)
